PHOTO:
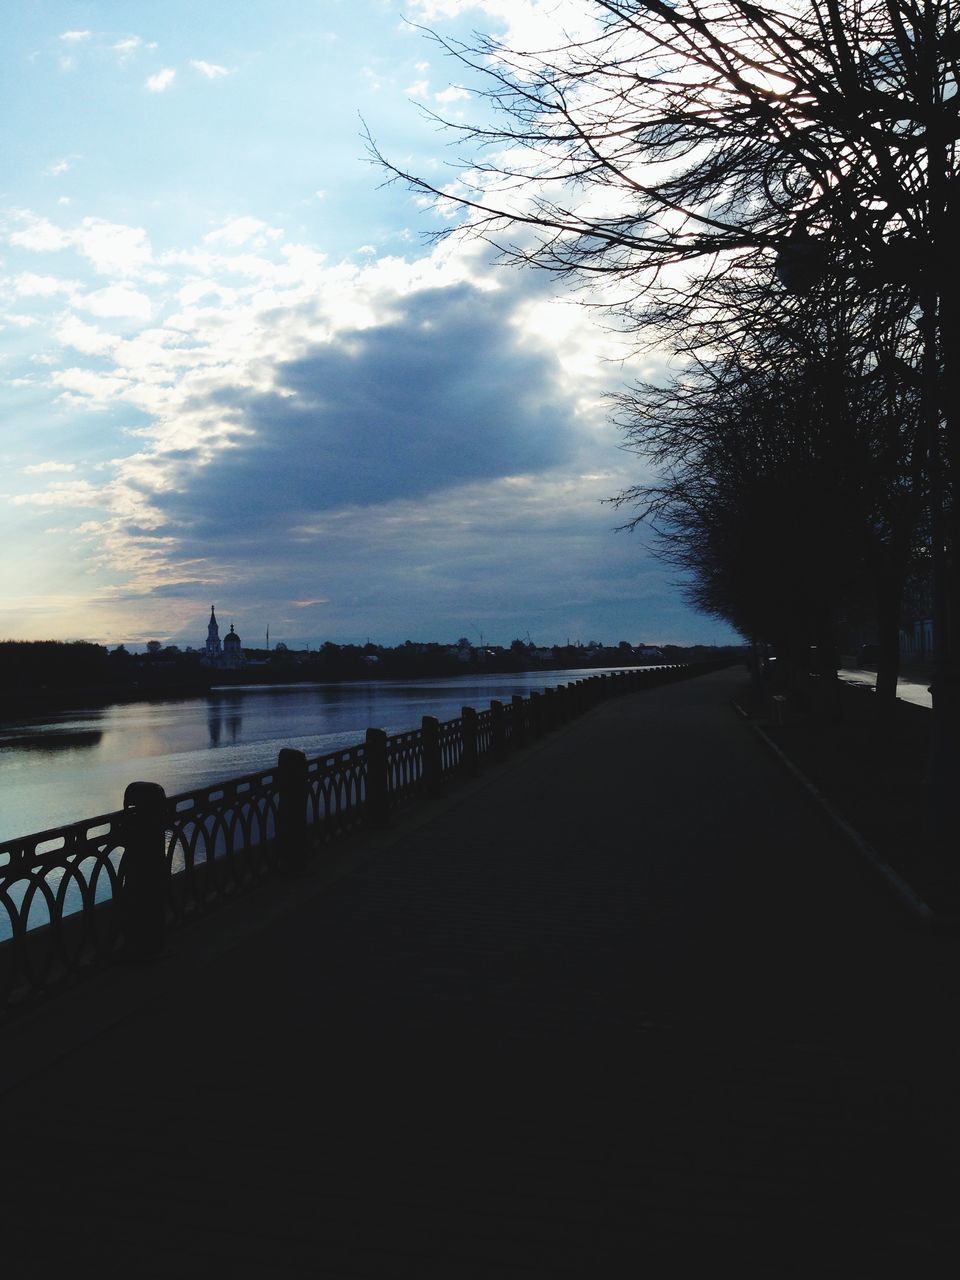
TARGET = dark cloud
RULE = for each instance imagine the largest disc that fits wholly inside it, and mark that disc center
(425, 478)
(442, 396)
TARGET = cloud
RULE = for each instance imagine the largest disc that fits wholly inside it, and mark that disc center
(112, 248)
(127, 46)
(419, 422)
(42, 468)
(118, 300)
(160, 81)
(211, 70)
(243, 231)
(522, 24)
(75, 37)
(39, 235)
(57, 168)
(29, 285)
(482, 556)
(64, 493)
(401, 409)
(83, 337)
(452, 94)
(419, 89)
(88, 387)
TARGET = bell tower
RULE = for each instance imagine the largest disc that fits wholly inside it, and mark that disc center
(213, 647)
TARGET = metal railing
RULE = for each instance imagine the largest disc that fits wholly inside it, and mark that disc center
(77, 897)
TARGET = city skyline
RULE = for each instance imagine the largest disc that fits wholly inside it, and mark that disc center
(234, 368)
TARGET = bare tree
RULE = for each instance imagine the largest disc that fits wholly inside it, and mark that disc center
(790, 487)
(707, 128)
(816, 139)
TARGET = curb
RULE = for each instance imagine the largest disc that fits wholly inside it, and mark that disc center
(921, 911)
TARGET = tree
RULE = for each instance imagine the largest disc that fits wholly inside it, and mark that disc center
(823, 130)
(789, 449)
(684, 139)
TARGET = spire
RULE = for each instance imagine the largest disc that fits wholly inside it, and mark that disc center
(213, 635)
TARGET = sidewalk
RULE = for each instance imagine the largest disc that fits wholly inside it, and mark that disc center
(630, 1002)
(908, 688)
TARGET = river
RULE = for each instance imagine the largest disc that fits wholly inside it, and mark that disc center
(73, 765)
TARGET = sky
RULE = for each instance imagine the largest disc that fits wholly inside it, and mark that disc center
(236, 369)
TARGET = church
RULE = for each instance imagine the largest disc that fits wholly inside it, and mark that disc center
(225, 654)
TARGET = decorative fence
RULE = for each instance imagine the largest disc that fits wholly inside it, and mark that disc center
(77, 897)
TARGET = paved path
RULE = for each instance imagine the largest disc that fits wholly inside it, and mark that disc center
(631, 1003)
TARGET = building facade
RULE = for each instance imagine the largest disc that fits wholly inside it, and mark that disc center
(226, 653)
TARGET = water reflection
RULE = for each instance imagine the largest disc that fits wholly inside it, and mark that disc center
(184, 744)
(224, 719)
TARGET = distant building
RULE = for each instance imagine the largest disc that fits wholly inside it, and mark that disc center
(213, 650)
(232, 652)
(226, 654)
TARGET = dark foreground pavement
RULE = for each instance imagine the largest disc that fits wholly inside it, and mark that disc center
(631, 1003)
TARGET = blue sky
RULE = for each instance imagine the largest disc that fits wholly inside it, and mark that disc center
(234, 370)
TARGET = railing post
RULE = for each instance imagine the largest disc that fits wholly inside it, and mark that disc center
(519, 721)
(559, 705)
(468, 717)
(432, 758)
(498, 729)
(550, 708)
(378, 783)
(144, 870)
(292, 817)
(536, 715)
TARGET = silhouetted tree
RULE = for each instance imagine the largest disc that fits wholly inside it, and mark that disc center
(818, 139)
(790, 483)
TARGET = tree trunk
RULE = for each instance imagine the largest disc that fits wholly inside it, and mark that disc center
(828, 660)
(888, 636)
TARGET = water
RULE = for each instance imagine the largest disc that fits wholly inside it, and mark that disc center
(75, 765)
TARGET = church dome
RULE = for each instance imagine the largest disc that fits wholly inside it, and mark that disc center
(231, 638)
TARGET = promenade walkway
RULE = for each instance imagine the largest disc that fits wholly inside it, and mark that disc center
(627, 1005)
